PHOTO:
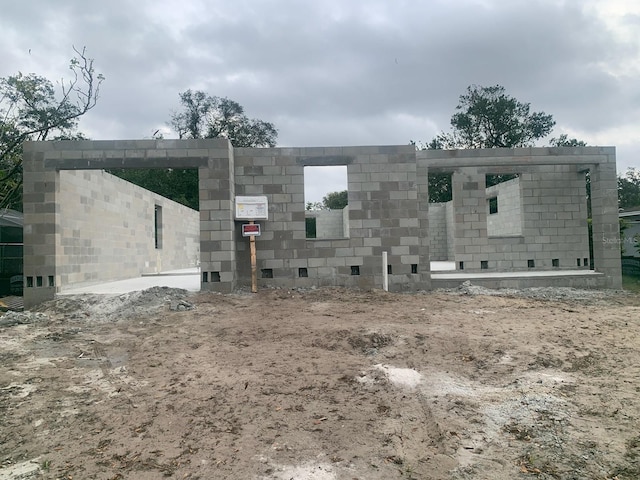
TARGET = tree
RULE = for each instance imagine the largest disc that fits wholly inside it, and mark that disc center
(31, 110)
(629, 189)
(336, 200)
(487, 117)
(177, 184)
(202, 116)
(331, 201)
(440, 187)
(314, 206)
(564, 141)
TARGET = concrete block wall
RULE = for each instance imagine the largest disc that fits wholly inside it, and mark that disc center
(451, 241)
(330, 224)
(107, 230)
(43, 164)
(217, 218)
(507, 221)
(470, 218)
(382, 216)
(604, 214)
(41, 235)
(388, 211)
(438, 238)
(554, 222)
(345, 222)
(553, 205)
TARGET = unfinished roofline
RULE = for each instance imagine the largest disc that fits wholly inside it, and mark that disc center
(510, 157)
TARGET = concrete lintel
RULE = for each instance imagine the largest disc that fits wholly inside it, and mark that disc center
(451, 163)
(325, 161)
(515, 156)
(125, 162)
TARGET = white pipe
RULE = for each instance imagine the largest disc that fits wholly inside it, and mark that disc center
(385, 272)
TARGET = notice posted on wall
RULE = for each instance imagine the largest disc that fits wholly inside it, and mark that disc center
(252, 208)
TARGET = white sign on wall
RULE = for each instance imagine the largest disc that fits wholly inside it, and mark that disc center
(252, 208)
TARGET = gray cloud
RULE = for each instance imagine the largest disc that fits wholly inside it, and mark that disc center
(328, 73)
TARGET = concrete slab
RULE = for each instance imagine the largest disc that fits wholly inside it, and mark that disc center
(519, 280)
(537, 273)
(188, 279)
(172, 273)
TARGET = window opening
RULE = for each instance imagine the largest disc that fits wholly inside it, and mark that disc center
(157, 226)
(326, 201)
(440, 187)
(493, 205)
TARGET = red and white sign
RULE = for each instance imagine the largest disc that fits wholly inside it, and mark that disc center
(250, 230)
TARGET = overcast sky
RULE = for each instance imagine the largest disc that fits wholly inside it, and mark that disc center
(342, 72)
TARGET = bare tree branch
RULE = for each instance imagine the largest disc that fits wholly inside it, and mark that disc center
(30, 111)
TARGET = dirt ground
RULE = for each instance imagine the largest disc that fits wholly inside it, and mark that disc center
(325, 384)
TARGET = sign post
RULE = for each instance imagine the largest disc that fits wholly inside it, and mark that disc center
(252, 230)
(252, 208)
(254, 269)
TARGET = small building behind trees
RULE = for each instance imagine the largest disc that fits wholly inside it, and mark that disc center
(11, 252)
(630, 238)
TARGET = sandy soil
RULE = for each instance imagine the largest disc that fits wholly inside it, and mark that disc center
(322, 385)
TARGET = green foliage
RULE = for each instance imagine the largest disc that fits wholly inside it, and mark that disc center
(30, 109)
(624, 225)
(204, 116)
(332, 201)
(336, 200)
(564, 141)
(631, 283)
(629, 189)
(310, 227)
(314, 206)
(180, 185)
(486, 117)
(440, 188)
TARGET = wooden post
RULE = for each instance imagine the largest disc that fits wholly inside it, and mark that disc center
(254, 274)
